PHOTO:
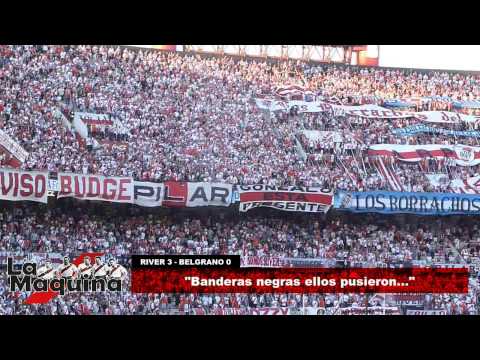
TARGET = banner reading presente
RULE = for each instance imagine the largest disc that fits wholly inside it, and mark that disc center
(288, 198)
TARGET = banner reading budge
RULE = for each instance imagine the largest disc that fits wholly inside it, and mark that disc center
(96, 187)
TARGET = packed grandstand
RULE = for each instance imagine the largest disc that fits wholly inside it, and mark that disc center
(380, 167)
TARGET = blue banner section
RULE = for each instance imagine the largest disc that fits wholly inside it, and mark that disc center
(417, 129)
(388, 202)
(397, 103)
(469, 104)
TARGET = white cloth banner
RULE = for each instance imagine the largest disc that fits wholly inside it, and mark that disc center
(371, 111)
(148, 194)
(426, 312)
(302, 106)
(272, 105)
(96, 187)
(262, 261)
(460, 154)
(209, 194)
(317, 136)
(270, 311)
(13, 147)
(367, 111)
(445, 117)
(288, 198)
(371, 310)
(23, 185)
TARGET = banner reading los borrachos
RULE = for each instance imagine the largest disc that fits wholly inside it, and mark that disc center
(424, 203)
(23, 185)
(286, 198)
(96, 187)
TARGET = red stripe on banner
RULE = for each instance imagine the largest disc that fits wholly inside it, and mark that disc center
(40, 297)
(176, 194)
(394, 177)
(381, 167)
(45, 297)
(286, 196)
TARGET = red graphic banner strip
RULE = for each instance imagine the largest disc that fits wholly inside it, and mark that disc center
(45, 297)
(265, 280)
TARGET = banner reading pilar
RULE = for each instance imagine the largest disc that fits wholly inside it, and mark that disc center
(286, 198)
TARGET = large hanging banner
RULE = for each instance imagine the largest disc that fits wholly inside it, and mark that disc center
(23, 185)
(147, 194)
(366, 111)
(460, 154)
(262, 261)
(372, 111)
(445, 117)
(424, 203)
(288, 198)
(182, 194)
(96, 187)
(421, 128)
(301, 106)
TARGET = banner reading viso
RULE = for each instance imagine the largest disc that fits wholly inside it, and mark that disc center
(408, 202)
(23, 185)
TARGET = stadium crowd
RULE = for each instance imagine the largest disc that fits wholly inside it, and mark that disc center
(192, 118)
(76, 227)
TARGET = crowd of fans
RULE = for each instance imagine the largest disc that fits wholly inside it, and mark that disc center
(77, 228)
(354, 135)
(74, 227)
(192, 118)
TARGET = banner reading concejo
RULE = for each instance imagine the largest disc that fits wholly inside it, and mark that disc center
(421, 203)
